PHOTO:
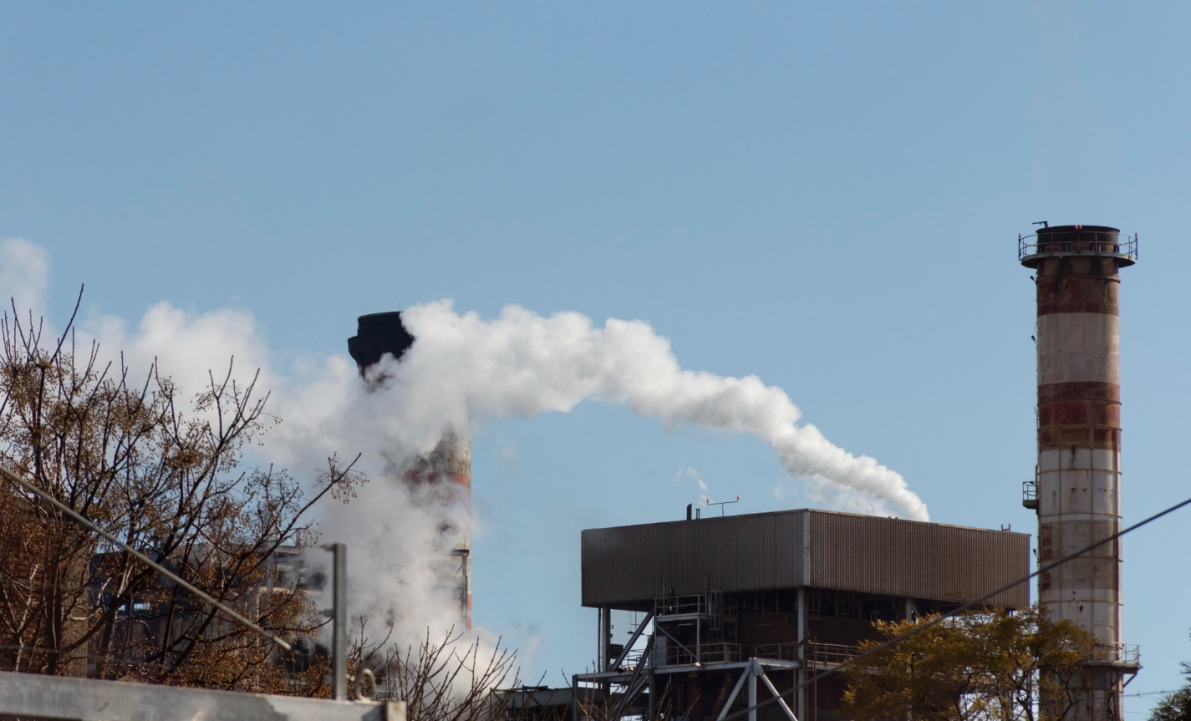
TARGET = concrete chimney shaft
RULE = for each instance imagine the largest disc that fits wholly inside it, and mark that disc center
(1078, 477)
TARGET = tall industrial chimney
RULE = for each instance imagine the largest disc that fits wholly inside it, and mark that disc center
(445, 471)
(1077, 486)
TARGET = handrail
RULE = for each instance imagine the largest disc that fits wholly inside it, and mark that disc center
(831, 653)
(778, 651)
(1127, 653)
(1077, 242)
(681, 606)
(727, 652)
(817, 654)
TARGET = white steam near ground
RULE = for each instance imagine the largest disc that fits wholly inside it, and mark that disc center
(463, 369)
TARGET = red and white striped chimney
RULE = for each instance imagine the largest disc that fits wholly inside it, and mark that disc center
(1077, 489)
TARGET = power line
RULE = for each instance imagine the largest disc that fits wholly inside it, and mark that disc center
(79, 519)
(955, 612)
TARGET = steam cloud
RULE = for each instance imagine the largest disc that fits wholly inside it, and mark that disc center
(462, 370)
(522, 364)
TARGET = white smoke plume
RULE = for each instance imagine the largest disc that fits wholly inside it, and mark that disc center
(688, 472)
(523, 364)
(462, 370)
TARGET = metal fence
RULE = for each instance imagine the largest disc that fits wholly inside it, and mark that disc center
(1078, 242)
(692, 605)
(1124, 654)
(816, 655)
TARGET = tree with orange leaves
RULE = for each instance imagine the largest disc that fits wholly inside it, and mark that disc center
(168, 478)
(980, 666)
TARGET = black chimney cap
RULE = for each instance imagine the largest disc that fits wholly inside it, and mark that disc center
(377, 334)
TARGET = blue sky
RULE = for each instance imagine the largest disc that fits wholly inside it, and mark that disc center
(825, 196)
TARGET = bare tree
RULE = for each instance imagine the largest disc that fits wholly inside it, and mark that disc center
(446, 680)
(169, 478)
(439, 680)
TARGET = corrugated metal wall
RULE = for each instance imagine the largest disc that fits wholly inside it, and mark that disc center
(736, 553)
(930, 561)
(627, 566)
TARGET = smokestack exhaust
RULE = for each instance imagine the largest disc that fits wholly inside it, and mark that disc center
(1077, 486)
(447, 468)
(376, 335)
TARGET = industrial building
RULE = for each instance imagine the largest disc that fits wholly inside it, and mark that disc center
(729, 608)
(764, 602)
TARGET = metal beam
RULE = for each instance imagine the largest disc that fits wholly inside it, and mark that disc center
(575, 698)
(780, 701)
(688, 668)
(632, 639)
(752, 672)
(678, 643)
(735, 691)
(60, 697)
(800, 694)
(637, 683)
(622, 676)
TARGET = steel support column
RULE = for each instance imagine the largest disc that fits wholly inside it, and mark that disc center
(800, 674)
(752, 694)
(603, 638)
(339, 616)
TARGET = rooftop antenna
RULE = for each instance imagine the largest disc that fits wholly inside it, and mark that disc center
(721, 504)
(1043, 223)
